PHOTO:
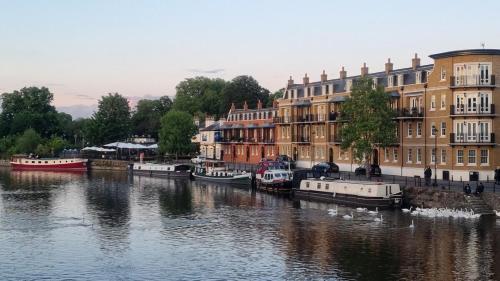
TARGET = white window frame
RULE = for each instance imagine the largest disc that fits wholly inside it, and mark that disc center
(481, 157)
(386, 155)
(433, 103)
(401, 79)
(443, 129)
(433, 155)
(418, 77)
(443, 102)
(419, 129)
(433, 130)
(409, 130)
(409, 156)
(442, 75)
(443, 156)
(390, 81)
(460, 156)
(395, 155)
(419, 156)
(348, 85)
(471, 156)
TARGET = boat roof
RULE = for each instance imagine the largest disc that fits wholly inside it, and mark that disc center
(354, 181)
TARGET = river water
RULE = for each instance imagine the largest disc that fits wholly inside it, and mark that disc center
(111, 226)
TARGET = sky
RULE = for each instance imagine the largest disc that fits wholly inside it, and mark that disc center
(82, 50)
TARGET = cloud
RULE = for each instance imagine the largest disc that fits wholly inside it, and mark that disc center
(206, 71)
(85, 97)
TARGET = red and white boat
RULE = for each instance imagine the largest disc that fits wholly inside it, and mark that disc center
(49, 164)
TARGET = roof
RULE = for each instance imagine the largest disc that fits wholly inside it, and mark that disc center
(213, 127)
(494, 52)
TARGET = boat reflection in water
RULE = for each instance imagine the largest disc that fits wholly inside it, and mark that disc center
(116, 226)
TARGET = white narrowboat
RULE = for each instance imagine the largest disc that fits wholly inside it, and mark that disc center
(162, 170)
(355, 193)
(279, 181)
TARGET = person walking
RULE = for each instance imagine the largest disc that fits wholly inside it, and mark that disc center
(428, 175)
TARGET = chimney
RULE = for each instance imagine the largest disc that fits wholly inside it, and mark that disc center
(306, 79)
(388, 66)
(290, 81)
(324, 77)
(233, 108)
(343, 73)
(259, 104)
(364, 70)
(415, 62)
(245, 106)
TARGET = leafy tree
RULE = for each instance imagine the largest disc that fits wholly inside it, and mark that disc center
(7, 146)
(240, 89)
(42, 150)
(28, 141)
(199, 94)
(177, 129)
(275, 96)
(368, 120)
(146, 118)
(56, 145)
(111, 122)
(28, 108)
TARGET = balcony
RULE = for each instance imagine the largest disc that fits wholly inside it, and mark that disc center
(472, 81)
(410, 113)
(282, 120)
(477, 139)
(301, 139)
(464, 110)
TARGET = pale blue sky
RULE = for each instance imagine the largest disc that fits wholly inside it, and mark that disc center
(84, 49)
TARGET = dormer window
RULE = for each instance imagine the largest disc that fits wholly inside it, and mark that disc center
(390, 81)
(375, 83)
(418, 77)
(308, 91)
(327, 89)
(400, 79)
(348, 85)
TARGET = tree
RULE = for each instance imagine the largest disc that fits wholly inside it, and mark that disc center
(146, 118)
(28, 141)
(111, 122)
(240, 89)
(28, 108)
(275, 96)
(368, 120)
(199, 94)
(177, 129)
(56, 145)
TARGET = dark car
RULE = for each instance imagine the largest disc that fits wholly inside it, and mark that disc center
(286, 160)
(324, 168)
(375, 171)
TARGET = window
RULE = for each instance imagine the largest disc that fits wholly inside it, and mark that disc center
(418, 77)
(443, 156)
(460, 156)
(395, 154)
(410, 130)
(484, 156)
(472, 156)
(419, 155)
(327, 89)
(386, 155)
(443, 129)
(318, 186)
(443, 102)
(327, 186)
(308, 91)
(433, 129)
(348, 85)
(400, 79)
(433, 155)
(443, 74)
(419, 129)
(410, 157)
(375, 83)
(390, 81)
(433, 102)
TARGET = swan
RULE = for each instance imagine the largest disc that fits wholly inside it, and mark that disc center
(360, 210)
(381, 219)
(412, 225)
(373, 212)
(347, 217)
(497, 213)
(406, 210)
(333, 212)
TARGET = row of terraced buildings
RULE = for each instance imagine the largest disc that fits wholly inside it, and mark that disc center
(446, 119)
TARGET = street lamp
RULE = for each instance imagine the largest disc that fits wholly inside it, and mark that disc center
(435, 155)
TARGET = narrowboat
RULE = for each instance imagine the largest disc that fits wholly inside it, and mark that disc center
(162, 170)
(48, 164)
(215, 171)
(354, 193)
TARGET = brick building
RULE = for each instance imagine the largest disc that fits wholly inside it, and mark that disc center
(446, 116)
(248, 135)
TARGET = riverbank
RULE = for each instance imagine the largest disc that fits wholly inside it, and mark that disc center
(111, 165)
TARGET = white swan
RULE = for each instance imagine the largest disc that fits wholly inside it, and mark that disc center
(333, 212)
(381, 219)
(360, 210)
(347, 217)
(412, 225)
(406, 210)
(373, 212)
(498, 213)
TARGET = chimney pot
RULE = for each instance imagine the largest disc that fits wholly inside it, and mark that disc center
(343, 73)
(306, 79)
(290, 81)
(415, 62)
(324, 77)
(364, 70)
(388, 66)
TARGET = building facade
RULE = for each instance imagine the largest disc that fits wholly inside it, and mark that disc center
(446, 116)
(209, 139)
(248, 135)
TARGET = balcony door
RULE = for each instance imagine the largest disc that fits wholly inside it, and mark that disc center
(471, 132)
(484, 103)
(484, 131)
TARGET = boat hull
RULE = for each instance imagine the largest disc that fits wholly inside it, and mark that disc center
(350, 200)
(74, 166)
(163, 174)
(280, 187)
(238, 179)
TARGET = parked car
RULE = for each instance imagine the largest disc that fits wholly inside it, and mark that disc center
(286, 160)
(375, 171)
(198, 159)
(324, 168)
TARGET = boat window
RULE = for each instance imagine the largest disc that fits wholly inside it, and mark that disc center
(284, 175)
(32, 161)
(386, 190)
(307, 184)
(318, 186)
(369, 190)
(46, 162)
(327, 186)
(390, 189)
(39, 162)
(25, 161)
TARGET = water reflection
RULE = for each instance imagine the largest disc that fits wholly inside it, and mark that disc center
(117, 226)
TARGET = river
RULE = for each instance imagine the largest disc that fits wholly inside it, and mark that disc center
(112, 226)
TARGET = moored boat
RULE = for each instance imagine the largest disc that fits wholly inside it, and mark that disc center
(162, 170)
(279, 181)
(48, 164)
(215, 171)
(355, 193)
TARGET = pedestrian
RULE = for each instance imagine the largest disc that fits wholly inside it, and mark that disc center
(467, 189)
(479, 189)
(428, 175)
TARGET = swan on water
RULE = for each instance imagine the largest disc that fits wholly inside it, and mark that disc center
(373, 212)
(381, 219)
(498, 213)
(333, 212)
(347, 217)
(361, 210)
(406, 210)
(412, 225)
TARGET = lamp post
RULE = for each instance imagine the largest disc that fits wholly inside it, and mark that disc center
(435, 156)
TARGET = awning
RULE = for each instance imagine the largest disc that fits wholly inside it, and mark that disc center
(98, 149)
(302, 103)
(414, 94)
(394, 94)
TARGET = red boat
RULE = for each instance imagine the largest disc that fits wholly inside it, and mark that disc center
(49, 164)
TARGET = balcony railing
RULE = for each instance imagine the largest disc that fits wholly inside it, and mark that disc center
(247, 140)
(463, 109)
(472, 138)
(301, 139)
(472, 81)
(335, 138)
(411, 112)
